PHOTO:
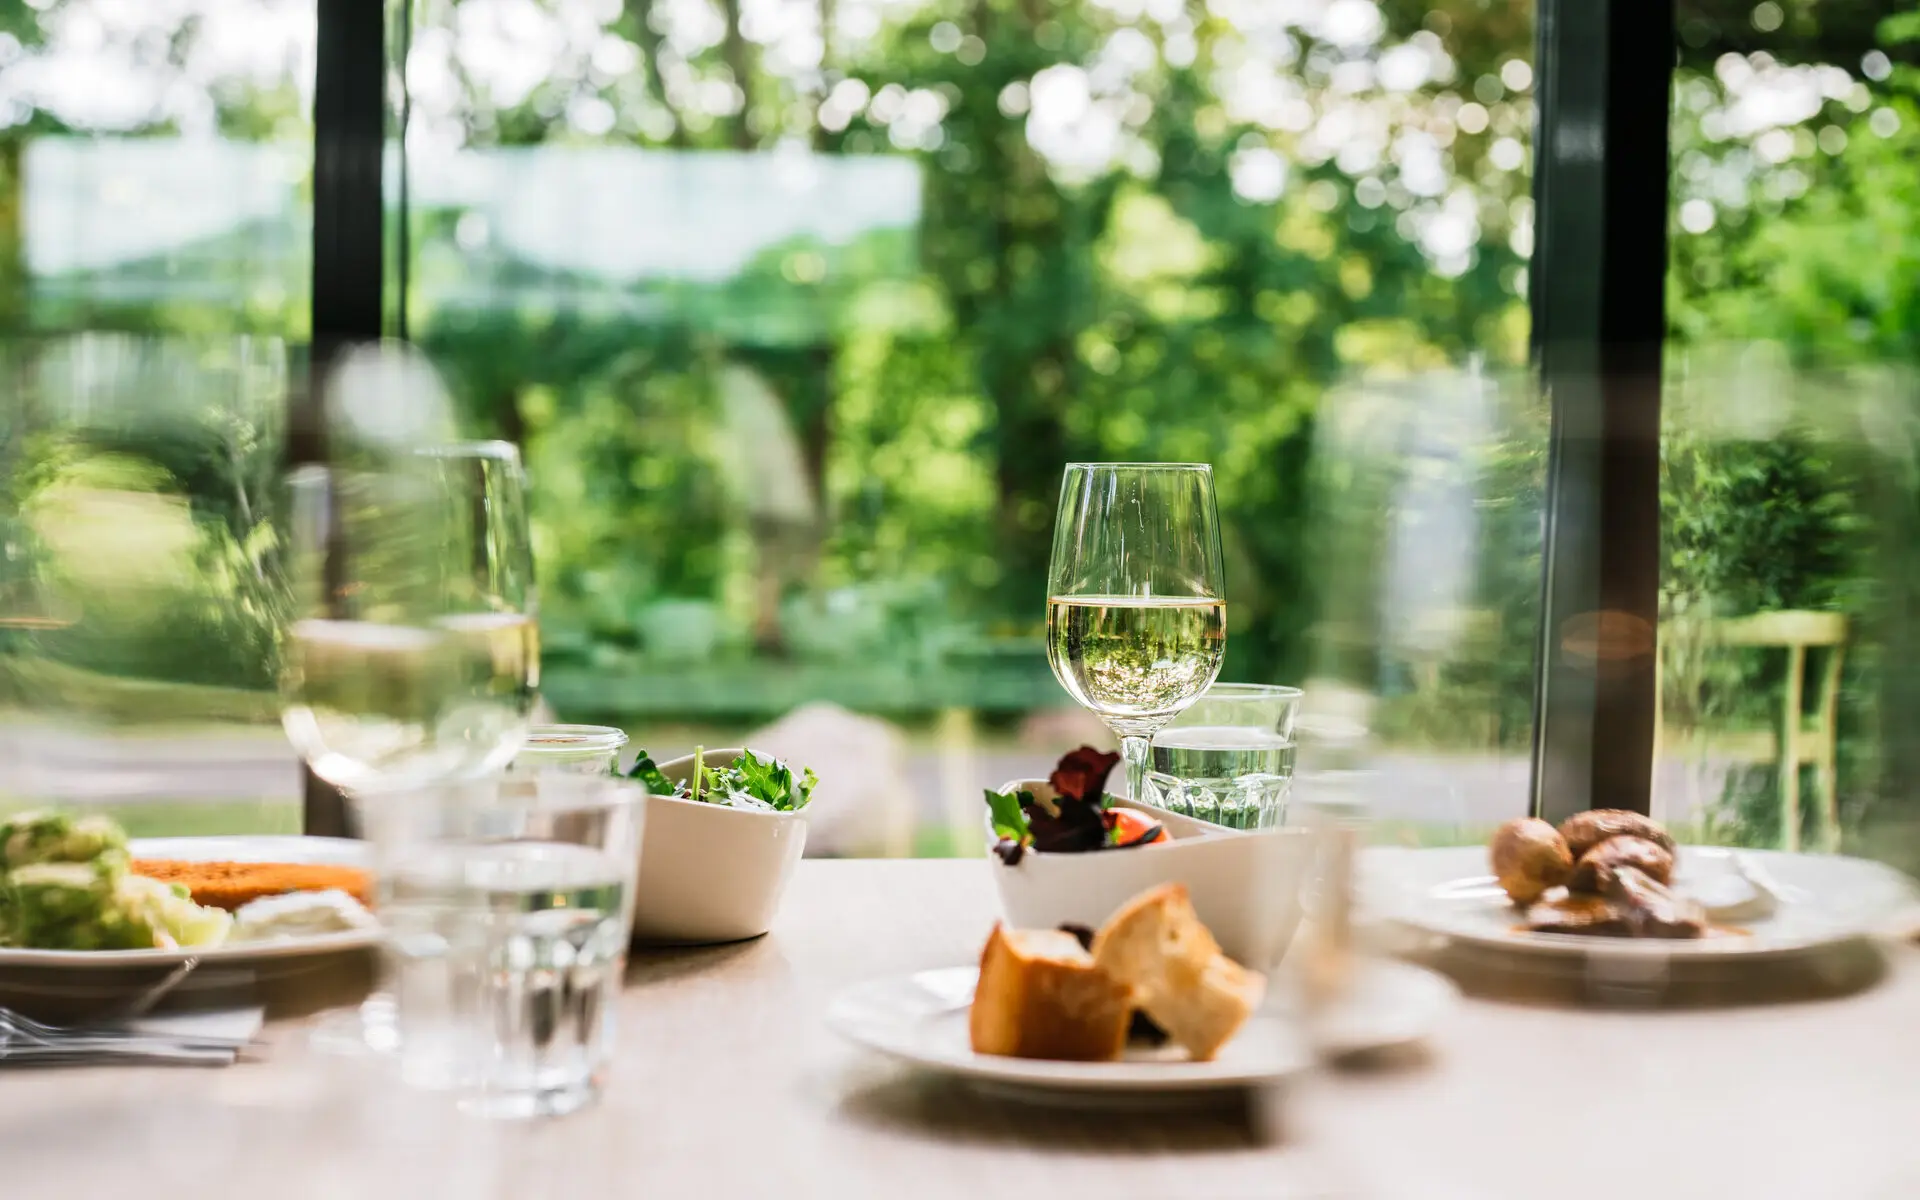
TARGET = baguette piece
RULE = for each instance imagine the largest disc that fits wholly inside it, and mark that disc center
(1156, 943)
(1041, 996)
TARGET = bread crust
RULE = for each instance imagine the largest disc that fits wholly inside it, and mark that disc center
(1156, 943)
(1041, 996)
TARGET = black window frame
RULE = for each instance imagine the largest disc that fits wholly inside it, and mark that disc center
(1597, 294)
(349, 143)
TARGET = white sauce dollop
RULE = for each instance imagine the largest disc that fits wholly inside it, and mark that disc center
(300, 914)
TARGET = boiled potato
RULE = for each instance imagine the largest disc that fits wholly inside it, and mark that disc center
(1529, 856)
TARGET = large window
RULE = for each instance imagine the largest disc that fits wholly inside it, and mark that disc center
(798, 311)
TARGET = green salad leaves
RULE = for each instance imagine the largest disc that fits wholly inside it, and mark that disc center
(1074, 819)
(1007, 811)
(748, 782)
(648, 772)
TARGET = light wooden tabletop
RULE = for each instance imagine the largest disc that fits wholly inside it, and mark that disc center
(727, 1084)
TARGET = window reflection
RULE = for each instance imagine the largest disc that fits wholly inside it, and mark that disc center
(1429, 497)
(140, 607)
(155, 227)
(1788, 443)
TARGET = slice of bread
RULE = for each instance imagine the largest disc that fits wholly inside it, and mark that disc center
(1041, 996)
(1156, 943)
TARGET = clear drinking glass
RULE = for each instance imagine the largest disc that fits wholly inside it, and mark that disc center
(1136, 608)
(507, 927)
(569, 750)
(1228, 759)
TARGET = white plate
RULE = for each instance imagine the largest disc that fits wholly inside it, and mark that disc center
(922, 1019)
(333, 851)
(1387, 1005)
(1829, 899)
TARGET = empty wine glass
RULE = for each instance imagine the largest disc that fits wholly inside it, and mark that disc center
(1136, 610)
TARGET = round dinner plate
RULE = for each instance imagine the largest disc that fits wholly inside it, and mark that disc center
(922, 1019)
(1826, 899)
(1387, 1005)
(332, 851)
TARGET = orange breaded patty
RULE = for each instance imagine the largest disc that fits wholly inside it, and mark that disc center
(229, 885)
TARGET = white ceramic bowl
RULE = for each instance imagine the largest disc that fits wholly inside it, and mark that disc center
(710, 873)
(1246, 886)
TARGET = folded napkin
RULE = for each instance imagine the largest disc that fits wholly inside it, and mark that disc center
(234, 1027)
(213, 1038)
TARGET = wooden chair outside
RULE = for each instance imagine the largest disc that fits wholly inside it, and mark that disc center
(1803, 738)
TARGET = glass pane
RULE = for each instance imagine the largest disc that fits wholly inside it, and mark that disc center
(1789, 493)
(798, 311)
(1430, 503)
(155, 228)
(155, 165)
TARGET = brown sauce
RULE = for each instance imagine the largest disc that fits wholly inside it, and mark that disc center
(1712, 931)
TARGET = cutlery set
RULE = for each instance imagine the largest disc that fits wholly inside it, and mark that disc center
(212, 1039)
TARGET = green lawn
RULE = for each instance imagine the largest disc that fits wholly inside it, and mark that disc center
(184, 818)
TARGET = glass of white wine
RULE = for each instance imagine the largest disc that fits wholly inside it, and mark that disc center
(1136, 609)
(412, 662)
(414, 657)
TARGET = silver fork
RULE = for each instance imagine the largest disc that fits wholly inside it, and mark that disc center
(20, 1034)
(14, 1049)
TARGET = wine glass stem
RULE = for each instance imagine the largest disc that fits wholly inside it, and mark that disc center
(1133, 750)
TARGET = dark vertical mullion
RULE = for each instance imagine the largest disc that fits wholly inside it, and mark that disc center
(349, 130)
(1599, 319)
(403, 252)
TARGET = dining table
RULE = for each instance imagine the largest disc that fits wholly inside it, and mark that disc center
(1563, 1083)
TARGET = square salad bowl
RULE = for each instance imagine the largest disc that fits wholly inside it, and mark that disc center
(1245, 885)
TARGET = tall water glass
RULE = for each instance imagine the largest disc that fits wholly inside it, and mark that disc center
(1228, 759)
(507, 930)
(1136, 599)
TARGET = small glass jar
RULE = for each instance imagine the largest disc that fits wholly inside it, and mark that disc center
(569, 750)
